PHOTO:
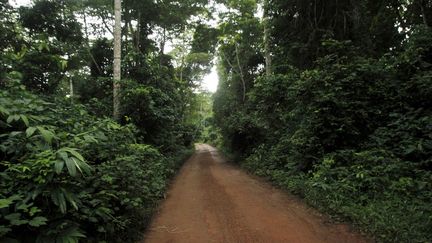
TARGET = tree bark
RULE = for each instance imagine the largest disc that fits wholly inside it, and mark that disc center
(267, 52)
(162, 46)
(117, 60)
(71, 89)
(163, 41)
(241, 73)
(356, 16)
(233, 69)
(424, 13)
(181, 69)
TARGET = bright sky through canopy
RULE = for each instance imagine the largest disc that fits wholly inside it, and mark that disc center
(209, 83)
(19, 2)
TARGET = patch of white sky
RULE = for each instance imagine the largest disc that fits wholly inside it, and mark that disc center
(19, 3)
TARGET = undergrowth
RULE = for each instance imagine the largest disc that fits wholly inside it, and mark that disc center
(353, 136)
(68, 176)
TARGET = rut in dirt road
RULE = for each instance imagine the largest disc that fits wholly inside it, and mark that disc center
(212, 201)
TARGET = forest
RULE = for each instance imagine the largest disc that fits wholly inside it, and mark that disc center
(70, 171)
(332, 100)
(101, 103)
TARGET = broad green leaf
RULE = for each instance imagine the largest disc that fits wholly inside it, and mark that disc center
(46, 134)
(58, 198)
(34, 210)
(71, 166)
(43, 46)
(63, 64)
(89, 138)
(23, 206)
(76, 161)
(82, 166)
(58, 166)
(30, 131)
(38, 221)
(14, 134)
(70, 198)
(25, 120)
(12, 118)
(74, 153)
(77, 164)
(63, 155)
(4, 203)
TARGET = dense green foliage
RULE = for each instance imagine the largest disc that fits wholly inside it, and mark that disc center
(68, 172)
(330, 99)
(74, 177)
(345, 119)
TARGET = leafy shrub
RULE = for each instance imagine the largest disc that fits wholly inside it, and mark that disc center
(352, 136)
(68, 176)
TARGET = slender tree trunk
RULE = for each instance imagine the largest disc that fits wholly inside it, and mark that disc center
(267, 52)
(138, 35)
(241, 73)
(162, 46)
(234, 69)
(71, 89)
(117, 60)
(424, 13)
(181, 69)
(356, 16)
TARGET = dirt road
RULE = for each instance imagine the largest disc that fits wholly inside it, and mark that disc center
(212, 201)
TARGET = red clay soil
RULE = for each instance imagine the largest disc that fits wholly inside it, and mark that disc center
(213, 201)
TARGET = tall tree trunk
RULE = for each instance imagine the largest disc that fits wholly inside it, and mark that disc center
(181, 69)
(117, 60)
(356, 17)
(71, 89)
(267, 53)
(163, 41)
(424, 13)
(138, 33)
(241, 73)
(162, 46)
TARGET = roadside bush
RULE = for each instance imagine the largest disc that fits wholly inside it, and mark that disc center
(353, 136)
(67, 176)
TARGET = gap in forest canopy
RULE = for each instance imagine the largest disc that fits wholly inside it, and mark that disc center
(211, 80)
